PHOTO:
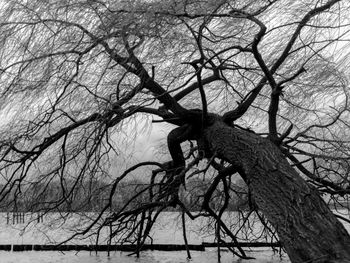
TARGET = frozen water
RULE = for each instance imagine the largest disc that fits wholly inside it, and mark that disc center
(145, 257)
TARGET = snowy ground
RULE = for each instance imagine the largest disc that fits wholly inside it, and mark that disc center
(56, 228)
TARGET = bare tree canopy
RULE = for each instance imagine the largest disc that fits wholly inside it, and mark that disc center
(251, 89)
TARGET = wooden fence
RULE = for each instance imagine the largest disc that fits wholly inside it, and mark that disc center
(130, 248)
(21, 218)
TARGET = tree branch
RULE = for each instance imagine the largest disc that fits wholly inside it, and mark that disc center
(242, 108)
(311, 175)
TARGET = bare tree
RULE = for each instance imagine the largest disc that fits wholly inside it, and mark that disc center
(257, 89)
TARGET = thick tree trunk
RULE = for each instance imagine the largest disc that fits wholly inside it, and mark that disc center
(306, 227)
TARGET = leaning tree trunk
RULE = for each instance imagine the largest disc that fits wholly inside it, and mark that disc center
(307, 228)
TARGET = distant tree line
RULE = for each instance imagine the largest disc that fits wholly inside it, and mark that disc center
(92, 196)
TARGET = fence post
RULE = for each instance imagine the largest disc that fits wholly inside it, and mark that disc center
(40, 217)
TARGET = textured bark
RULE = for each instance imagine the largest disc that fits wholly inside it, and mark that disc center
(307, 228)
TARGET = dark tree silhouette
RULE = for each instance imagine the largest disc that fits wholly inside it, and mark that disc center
(257, 89)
